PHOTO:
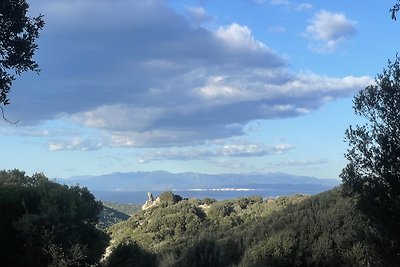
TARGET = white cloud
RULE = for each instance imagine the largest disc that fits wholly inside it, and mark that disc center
(254, 85)
(246, 150)
(304, 6)
(75, 143)
(142, 75)
(198, 14)
(239, 37)
(157, 138)
(25, 131)
(329, 30)
(119, 117)
(306, 162)
(215, 88)
(219, 109)
(227, 150)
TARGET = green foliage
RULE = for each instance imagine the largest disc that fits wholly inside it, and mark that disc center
(47, 224)
(325, 230)
(322, 230)
(18, 34)
(196, 231)
(203, 252)
(113, 213)
(131, 254)
(109, 217)
(208, 201)
(373, 171)
(128, 209)
(170, 198)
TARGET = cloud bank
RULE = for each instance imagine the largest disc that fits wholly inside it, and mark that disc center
(228, 150)
(145, 76)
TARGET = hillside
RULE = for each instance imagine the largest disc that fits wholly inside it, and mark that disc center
(113, 213)
(322, 230)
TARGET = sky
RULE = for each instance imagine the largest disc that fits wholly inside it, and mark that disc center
(209, 86)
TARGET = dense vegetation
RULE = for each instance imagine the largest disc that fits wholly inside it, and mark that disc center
(322, 230)
(372, 175)
(47, 224)
(113, 213)
(43, 223)
(128, 209)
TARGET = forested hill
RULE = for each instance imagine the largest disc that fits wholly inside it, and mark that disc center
(321, 230)
(48, 224)
(113, 213)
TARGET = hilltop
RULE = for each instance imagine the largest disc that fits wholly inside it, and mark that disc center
(320, 230)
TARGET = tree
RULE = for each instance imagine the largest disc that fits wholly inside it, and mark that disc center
(43, 223)
(373, 170)
(131, 254)
(18, 34)
(395, 9)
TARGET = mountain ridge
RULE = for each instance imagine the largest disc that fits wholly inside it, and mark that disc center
(163, 180)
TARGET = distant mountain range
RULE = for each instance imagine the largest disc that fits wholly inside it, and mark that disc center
(165, 181)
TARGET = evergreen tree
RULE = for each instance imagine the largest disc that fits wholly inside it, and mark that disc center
(43, 223)
(373, 170)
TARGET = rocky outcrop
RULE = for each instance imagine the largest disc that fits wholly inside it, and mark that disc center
(150, 202)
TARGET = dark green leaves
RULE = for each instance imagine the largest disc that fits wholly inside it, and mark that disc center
(372, 174)
(43, 223)
(18, 34)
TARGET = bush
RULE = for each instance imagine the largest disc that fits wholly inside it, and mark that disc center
(43, 223)
(131, 254)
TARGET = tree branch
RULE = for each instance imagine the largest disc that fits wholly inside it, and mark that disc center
(395, 9)
(5, 118)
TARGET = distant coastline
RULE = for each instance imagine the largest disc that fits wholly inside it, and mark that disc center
(132, 187)
(140, 197)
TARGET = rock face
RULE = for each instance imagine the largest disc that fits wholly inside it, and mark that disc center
(150, 202)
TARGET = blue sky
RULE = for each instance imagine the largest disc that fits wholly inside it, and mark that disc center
(238, 86)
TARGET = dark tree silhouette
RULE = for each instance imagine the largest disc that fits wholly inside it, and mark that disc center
(43, 223)
(131, 254)
(373, 170)
(395, 9)
(18, 34)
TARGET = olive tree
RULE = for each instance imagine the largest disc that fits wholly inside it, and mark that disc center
(372, 174)
(18, 35)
